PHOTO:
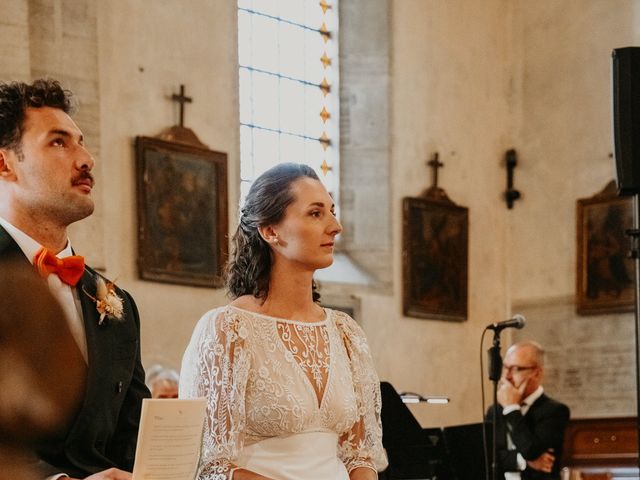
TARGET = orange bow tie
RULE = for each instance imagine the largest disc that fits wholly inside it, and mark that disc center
(68, 269)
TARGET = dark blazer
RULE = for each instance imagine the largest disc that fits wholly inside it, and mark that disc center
(533, 434)
(104, 431)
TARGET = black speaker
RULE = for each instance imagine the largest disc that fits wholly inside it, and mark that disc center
(626, 118)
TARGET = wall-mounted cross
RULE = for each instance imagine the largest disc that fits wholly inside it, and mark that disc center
(181, 99)
(435, 164)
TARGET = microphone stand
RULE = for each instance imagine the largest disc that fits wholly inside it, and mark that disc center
(495, 370)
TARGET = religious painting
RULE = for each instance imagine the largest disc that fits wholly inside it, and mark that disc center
(182, 212)
(435, 258)
(605, 272)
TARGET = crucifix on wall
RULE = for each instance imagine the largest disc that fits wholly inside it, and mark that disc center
(182, 206)
(435, 253)
(435, 164)
(434, 192)
(179, 133)
(181, 99)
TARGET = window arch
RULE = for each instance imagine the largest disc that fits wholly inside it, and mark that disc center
(358, 129)
(288, 74)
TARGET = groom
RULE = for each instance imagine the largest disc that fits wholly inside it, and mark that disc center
(46, 185)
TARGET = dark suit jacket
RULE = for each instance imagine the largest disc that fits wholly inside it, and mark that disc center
(533, 434)
(104, 431)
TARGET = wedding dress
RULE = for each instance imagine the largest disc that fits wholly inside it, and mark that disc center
(288, 399)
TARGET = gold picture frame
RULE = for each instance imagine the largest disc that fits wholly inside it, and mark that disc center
(182, 213)
(605, 272)
(435, 259)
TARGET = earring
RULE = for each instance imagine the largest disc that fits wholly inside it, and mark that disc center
(275, 241)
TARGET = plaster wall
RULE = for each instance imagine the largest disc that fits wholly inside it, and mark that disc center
(451, 70)
(468, 79)
(148, 48)
(565, 133)
(452, 73)
(565, 145)
(14, 40)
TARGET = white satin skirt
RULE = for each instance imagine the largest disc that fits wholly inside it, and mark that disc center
(301, 456)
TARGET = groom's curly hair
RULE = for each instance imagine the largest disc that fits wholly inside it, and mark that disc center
(16, 97)
(270, 194)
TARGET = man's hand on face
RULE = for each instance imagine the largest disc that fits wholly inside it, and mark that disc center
(509, 394)
(111, 474)
(544, 462)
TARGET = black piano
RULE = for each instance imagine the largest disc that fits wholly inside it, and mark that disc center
(416, 453)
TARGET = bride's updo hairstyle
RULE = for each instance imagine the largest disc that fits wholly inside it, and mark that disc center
(250, 261)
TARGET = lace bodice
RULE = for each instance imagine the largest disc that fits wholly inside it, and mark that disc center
(265, 377)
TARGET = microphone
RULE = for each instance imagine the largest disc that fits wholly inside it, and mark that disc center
(517, 321)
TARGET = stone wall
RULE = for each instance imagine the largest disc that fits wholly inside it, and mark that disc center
(465, 78)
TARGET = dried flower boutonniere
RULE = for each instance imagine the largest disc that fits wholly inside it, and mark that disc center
(108, 303)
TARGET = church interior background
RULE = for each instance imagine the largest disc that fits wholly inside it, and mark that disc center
(467, 79)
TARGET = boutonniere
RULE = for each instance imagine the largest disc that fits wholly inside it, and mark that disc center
(107, 301)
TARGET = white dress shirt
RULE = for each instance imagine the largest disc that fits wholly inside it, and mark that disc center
(524, 408)
(66, 295)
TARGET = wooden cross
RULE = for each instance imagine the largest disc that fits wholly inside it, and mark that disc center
(435, 164)
(182, 99)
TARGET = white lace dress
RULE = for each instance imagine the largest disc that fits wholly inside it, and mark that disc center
(290, 400)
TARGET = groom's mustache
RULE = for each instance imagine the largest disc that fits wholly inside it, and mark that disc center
(83, 177)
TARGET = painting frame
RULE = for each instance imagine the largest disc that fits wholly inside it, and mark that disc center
(604, 272)
(435, 259)
(182, 213)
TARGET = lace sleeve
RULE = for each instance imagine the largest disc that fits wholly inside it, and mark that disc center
(216, 366)
(361, 445)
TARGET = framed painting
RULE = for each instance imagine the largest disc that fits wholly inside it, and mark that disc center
(182, 212)
(435, 259)
(605, 272)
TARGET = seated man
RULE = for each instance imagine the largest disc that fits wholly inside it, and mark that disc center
(529, 424)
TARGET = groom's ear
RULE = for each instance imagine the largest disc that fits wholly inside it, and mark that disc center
(7, 157)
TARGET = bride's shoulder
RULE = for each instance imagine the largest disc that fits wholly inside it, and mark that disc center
(247, 302)
(344, 322)
(223, 320)
(215, 317)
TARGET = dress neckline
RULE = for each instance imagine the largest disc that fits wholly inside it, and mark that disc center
(285, 320)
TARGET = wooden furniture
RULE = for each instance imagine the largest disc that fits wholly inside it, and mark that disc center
(596, 476)
(602, 448)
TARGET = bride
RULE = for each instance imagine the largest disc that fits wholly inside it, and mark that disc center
(291, 389)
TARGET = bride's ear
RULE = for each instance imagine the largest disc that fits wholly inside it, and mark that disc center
(268, 234)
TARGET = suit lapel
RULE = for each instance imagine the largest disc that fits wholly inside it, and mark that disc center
(5, 239)
(9, 246)
(98, 347)
(102, 339)
(86, 287)
(98, 336)
(540, 401)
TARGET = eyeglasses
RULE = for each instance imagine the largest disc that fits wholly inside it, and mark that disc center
(517, 368)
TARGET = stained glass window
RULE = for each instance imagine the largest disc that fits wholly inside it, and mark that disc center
(288, 70)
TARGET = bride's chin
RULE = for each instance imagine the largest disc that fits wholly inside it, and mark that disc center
(325, 264)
